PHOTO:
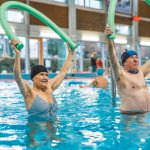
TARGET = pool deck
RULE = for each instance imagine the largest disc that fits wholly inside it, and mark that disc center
(51, 75)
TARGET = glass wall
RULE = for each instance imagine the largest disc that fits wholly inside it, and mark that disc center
(85, 50)
(7, 55)
(54, 54)
(4, 63)
(34, 52)
(1, 46)
(120, 48)
(145, 53)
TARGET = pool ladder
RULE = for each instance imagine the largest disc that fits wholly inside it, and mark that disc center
(113, 90)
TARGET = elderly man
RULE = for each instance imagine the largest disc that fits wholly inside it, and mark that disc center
(129, 79)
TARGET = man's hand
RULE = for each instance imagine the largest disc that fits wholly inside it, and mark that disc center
(13, 44)
(108, 31)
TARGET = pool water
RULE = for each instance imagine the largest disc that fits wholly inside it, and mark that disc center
(87, 120)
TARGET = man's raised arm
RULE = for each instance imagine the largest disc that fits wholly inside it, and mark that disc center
(116, 68)
(146, 68)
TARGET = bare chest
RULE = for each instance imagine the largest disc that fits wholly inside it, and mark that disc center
(133, 84)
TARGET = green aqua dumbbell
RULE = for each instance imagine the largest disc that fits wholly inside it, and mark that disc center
(147, 1)
(111, 18)
(18, 5)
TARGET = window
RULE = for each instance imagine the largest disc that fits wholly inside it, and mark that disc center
(8, 55)
(34, 46)
(97, 4)
(123, 29)
(54, 53)
(15, 16)
(79, 2)
(87, 48)
(120, 48)
(124, 6)
(145, 53)
(22, 52)
(1, 46)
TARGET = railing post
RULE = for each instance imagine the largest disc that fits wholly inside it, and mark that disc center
(113, 90)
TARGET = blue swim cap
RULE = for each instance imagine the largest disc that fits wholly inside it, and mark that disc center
(128, 53)
(100, 71)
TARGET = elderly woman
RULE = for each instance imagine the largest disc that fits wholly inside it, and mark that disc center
(39, 100)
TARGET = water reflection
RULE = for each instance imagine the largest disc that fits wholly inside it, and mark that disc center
(41, 133)
(133, 120)
(92, 137)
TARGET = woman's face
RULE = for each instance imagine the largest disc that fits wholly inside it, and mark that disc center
(41, 80)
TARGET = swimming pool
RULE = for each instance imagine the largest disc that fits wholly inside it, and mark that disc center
(86, 120)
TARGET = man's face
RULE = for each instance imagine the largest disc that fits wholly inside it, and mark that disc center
(132, 63)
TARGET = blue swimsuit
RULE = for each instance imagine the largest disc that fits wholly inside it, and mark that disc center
(41, 110)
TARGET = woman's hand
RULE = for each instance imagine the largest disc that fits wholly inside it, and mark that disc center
(82, 86)
(70, 50)
(13, 44)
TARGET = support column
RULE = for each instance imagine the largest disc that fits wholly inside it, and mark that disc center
(72, 27)
(103, 56)
(72, 19)
(40, 51)
(27, 50)
(135, 31)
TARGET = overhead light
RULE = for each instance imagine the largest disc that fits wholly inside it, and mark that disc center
(49, 34)
(120, 41)
(15, 16)
(144, 43)
(90, 37)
